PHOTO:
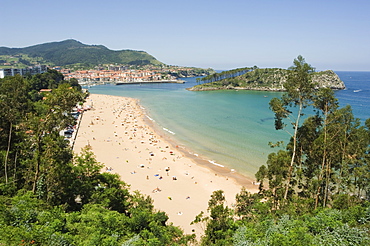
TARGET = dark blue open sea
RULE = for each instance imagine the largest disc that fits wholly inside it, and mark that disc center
(229, 128)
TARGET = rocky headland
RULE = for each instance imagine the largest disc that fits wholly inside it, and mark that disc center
(269, 79)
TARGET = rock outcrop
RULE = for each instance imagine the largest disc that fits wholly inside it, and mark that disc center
(328, 79)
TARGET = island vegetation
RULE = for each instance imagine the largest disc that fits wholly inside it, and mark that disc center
(313, 190)
(261, 79)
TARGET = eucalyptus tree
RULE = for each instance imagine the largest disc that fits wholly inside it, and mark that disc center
(299, 94)
(46, 147)
(362, 172)
(348, 173)
(320, 142)
(225, 75)
(13, 105)
(333, 150)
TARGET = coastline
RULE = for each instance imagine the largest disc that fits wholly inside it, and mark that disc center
(149, 82)
(128, 143)
(219, 169)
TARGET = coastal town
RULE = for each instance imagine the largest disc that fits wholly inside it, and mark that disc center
(115, 74)
(121, 74)
(118, 75)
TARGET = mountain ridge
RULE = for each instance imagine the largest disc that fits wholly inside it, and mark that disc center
(70, 51)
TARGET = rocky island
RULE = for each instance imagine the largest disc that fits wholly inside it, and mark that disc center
(262, 79)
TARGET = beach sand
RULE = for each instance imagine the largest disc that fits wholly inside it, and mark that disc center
(180, 184)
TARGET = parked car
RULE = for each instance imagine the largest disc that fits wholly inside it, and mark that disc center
(68, 133)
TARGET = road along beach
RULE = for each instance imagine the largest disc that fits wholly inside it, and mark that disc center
(121, 136)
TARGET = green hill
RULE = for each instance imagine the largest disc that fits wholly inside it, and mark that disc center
(70, 52)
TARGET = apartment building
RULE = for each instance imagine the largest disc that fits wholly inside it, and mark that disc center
(23, 71)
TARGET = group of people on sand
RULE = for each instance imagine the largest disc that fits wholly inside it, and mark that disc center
(121, 140)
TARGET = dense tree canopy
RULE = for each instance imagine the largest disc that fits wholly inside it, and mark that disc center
(225, 75)
(50, 197)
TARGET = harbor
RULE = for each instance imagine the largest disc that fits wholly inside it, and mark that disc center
(149, 82)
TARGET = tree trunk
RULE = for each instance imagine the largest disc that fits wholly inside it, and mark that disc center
(323, 158)
(37, 171)
(15, 165)
(294, 151)
(7, 154)
(328, 172)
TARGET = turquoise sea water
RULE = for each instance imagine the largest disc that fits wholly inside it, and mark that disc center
(231, 128)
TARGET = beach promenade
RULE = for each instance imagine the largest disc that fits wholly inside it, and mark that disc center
(123, 139)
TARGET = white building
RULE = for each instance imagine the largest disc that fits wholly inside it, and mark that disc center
(23, 71)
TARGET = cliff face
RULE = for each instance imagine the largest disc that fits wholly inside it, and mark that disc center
(269, 79)
(328, 79)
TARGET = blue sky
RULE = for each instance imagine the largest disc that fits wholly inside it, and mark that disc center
(329, 34)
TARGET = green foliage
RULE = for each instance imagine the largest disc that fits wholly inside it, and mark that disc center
(26, 220)
(16, 60)
(226, 75)
(220, 223)
(95, 225)
(36, 156)
(328, 227)
(49, 80)
(70, 52)
(49, 197)
(111, 193)
(14, 104)
(264, 79)
(190, 72)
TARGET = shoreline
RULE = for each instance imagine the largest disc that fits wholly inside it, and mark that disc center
(220, 169)
(149, 82)
(128, 143)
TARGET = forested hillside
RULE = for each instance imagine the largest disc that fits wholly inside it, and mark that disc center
(70, 52)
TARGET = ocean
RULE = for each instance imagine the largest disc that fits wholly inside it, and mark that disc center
(227, 128)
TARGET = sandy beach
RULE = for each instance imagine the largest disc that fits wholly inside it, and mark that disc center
(180, 184)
